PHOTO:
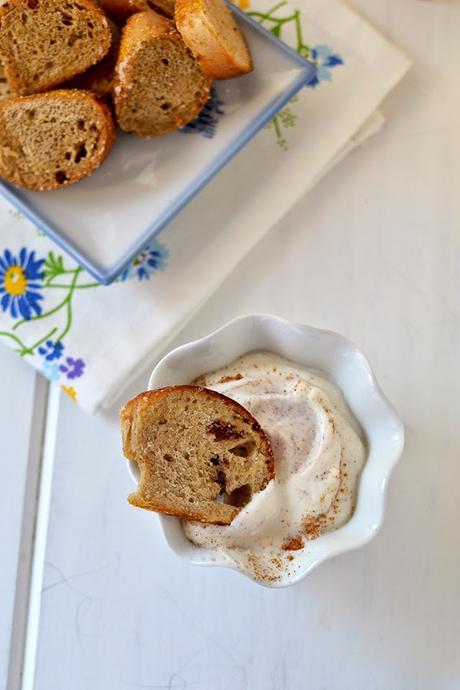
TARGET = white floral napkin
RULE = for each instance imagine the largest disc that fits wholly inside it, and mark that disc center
(91, 338)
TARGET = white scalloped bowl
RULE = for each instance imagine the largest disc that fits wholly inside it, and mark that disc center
(347, 367)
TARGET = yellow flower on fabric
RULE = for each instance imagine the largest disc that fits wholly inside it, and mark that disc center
(20, 283)
(15, 281)
(70, 391)
(243, 4)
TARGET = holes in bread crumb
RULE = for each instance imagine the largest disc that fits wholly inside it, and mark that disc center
(81, 153)
(215, 460)
(73, 39)
(31, 113)
(24, 18)
(49, 64)
(61, 177)
(68, 156)
(167, 457)
(240, 496)
(67, 19)
(166, 106)
(165, 61)
(221, 481)
(32, 4)
(81, 124)
(243, 450)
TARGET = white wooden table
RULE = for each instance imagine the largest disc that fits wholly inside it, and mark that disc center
(373, 252)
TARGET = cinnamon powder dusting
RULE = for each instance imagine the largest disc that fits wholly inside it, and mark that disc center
(294, 544)
(272, 570)
(226, 379)
(285, 399)
(314, 525)
(259, 569)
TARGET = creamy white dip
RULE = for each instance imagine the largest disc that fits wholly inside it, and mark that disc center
(319, 453)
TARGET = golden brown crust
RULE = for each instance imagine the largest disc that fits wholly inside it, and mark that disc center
(76, 97)
(148, 397)
(120, 10)
(145, 30)
(5, 8)
(131, 417)
(12, 13)
(209, 44)
(137, 501)
(164, 7)
(141, 27)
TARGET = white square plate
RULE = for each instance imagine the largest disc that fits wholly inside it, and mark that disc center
(108, 218)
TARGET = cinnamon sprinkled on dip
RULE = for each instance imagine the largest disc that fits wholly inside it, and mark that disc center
(294, 544)
(226, 379)
(319, 453)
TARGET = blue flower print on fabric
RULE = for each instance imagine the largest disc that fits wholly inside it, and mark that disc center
(20, 283)
(51, 350)
(325, 59)
(150, 260)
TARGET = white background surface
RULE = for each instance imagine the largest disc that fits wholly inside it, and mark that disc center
(372, 252)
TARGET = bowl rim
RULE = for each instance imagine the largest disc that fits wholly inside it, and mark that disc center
(355, 532)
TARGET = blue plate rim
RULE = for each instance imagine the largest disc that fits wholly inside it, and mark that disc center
(106, 276)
